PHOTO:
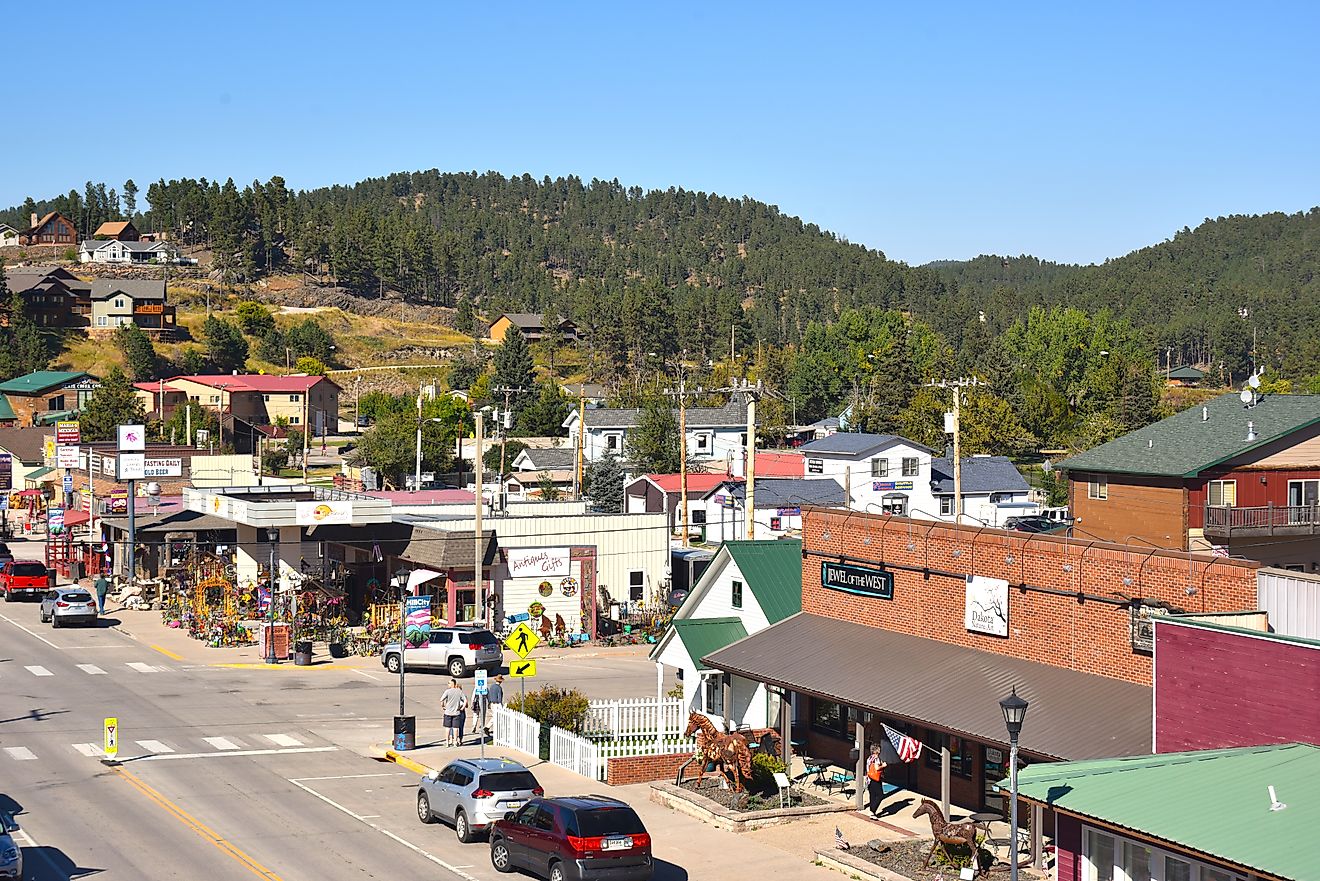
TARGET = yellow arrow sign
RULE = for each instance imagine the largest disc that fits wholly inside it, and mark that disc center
(111, 737)
(522, 669)
(522, 640)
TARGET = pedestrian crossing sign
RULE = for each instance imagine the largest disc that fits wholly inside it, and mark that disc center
(522, 640)
(522, 669)
(111, 738)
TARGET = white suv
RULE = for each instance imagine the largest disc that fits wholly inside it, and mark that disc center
(459, 650)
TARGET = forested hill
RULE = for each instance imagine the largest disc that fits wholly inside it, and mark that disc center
(1188, 293)
(678, 268)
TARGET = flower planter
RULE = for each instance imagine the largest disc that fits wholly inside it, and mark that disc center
(302, 653)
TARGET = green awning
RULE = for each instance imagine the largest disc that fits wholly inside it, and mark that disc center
(50, 417)
(701, 636)
(39, 473)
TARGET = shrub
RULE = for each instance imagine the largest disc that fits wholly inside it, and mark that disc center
(71, 254)
(562, 707)
(764, 768)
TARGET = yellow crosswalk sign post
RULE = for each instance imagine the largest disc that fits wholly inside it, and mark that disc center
(111, 738)
(522, 640)
(522, 669)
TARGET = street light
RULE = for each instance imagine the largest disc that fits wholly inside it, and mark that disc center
(405, 727)
(273, 536)
(1015, 711)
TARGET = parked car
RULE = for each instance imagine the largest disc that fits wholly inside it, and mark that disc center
(474, 793)
(68, 605)
(1035, 523)
(11, 855)
(459, 650)
(5, 554)
(573, 839)
(24, 578)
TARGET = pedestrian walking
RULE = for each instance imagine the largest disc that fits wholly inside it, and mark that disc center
(494, 698)
(453, 703)
(102, 587)
(875, 780)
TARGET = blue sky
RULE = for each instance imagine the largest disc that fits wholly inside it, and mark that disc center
(1074, 132)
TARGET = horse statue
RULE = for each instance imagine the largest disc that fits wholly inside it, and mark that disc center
(962, 834)
(727, 751)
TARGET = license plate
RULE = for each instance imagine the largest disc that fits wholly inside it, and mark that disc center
(616, 844)
(513, 805)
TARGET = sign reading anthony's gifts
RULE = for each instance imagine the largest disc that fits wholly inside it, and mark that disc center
(859, 580)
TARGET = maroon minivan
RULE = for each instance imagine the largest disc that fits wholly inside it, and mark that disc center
(573, 839)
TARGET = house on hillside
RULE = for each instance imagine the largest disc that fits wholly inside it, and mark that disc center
(747, 587)
(52, 296)
(716, 436)
(131, 301)
(8, 236)
(53, 229)
(778, 502)
(593, 394)
(532, 465)
(257, 399)
(1187, 376)
(48, 396)
(132, 252)
(122, 230)
(1241, 480)
(532, 325)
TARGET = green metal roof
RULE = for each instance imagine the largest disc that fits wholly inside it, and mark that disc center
(50, 417)
(773, 571)
(36, 383)
(701, 636)
(1187, 372)
(6, 411)
(1213, 802)
(39, 472)
(1189, 442)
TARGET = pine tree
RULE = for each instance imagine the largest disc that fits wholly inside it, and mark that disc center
(544, 415)
(653, 445)
(143, 363)
(465, 317)
(114, 404)
(130, 197)
(604, 480)
(29, 347)
(514, 368)
(226, 348)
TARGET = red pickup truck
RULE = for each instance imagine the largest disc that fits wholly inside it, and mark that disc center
(23, 578)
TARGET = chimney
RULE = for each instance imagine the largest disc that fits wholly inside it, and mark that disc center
(1205, 414)
(1251, 431)
(34, 220)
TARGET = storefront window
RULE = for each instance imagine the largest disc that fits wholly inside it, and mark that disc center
(714, 687)
(829, 717)
(1177, 870)
(960, 758)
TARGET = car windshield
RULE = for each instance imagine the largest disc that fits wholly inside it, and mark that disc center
(78, 597)
(609, 821)
(29, 569)
(479, 637)
(508, 781)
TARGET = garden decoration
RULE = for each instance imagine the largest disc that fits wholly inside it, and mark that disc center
(962, 834)
(727, 751)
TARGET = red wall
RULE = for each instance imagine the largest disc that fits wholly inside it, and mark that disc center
(1216, 688)
(1059, 630)
(1251, 493)
(1068, 848)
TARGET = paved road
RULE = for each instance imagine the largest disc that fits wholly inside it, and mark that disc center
(225, 773)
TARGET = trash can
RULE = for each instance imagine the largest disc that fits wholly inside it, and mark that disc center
(405, 732)
(302, 653)
(50, 579)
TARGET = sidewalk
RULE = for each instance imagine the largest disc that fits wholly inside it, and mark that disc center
(701, 851)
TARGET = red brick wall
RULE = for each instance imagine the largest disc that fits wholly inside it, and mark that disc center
(644, 769)
(1088, 636)
(1219, 689)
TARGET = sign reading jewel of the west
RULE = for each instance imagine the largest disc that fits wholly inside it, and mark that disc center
(860, 580)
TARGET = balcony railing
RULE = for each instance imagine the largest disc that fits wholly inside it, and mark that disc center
(1267, 520)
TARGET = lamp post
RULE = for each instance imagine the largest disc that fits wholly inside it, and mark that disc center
(405, 726)
(273, 536)
(1015, 711)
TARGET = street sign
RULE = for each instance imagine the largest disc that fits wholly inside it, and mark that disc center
(522, 669)
(68, 483)
(66, 456)
(480, 685)
(522, 640)
(67, 434)
(133, 437)
(112, 738)
(131, 466)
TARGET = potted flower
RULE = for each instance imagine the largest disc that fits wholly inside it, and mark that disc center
(337, 636)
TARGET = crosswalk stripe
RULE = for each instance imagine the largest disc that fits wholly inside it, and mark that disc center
(221, 742)
(91, 669)
(283, 740)
(91, 750)
(39, 671)
(20, 753)
(141, 667)
(155, 746)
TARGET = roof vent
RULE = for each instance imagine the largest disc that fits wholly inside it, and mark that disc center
(1205, 414)
(1150, 443)
(1251, 431)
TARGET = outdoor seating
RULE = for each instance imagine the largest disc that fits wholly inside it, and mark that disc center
(840, 779)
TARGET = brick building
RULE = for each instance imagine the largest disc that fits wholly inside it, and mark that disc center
(923, 626)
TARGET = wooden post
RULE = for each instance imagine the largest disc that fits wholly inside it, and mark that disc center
(946, 760)
(859, 772)
(751, 467)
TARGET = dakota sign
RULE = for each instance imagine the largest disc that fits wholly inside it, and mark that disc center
(537, 562)
(987, 605)
(861, 580)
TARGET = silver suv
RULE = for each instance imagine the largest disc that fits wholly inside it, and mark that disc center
(458, 650)
(474, 793)
(68, 605)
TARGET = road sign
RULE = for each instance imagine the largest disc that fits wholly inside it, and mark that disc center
(522, 640)
(111, 738)
(522, 669)
(68, 483)
(67, 434)
(133, 437)
(480, 686)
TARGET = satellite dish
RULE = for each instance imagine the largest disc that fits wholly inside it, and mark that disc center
(1254, 381)
(1246, 396)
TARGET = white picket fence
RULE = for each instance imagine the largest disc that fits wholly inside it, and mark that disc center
(577, 754)
(635, 716)
(515, 730)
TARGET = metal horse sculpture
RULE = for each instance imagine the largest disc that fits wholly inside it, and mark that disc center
(727, 751)
(962, 834)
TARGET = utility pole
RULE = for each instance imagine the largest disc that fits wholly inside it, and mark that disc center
(417, 472)
(477, 590)
(581, 430)
(505, 422)
(682, 393)
(751, 457)
(957, 385)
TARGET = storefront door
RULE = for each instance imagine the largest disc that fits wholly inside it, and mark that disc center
(994, 767)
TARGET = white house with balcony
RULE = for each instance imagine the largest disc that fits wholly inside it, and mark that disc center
(716, 436)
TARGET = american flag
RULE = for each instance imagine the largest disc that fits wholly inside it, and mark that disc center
(908, 748)
(839, 841)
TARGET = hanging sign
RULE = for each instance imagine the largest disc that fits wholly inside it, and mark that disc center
(66, 456)
(860, 580)
(417, 623)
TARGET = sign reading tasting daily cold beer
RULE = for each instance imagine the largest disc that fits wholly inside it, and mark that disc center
(860, 580)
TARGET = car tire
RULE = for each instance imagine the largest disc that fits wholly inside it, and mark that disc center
(424, 807)
(45, 619)
(457, 668)
(557, 872)
(392, 663)
(9, 597)
(462, 828)
(54, 622)
(500, 857)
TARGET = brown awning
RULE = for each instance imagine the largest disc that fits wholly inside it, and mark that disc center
(1072, 715)
(432, 548)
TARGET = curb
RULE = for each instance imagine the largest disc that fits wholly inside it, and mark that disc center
(283, 666)
(405, 762)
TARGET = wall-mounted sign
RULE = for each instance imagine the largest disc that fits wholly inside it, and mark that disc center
(986, 610)
(68, 434)
(860, 580)
(815, 466)
(890, 485)
(66, 456)
(538, 562)
(788, 512)
(322, 513)
(724, 501)
(1141, 627)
